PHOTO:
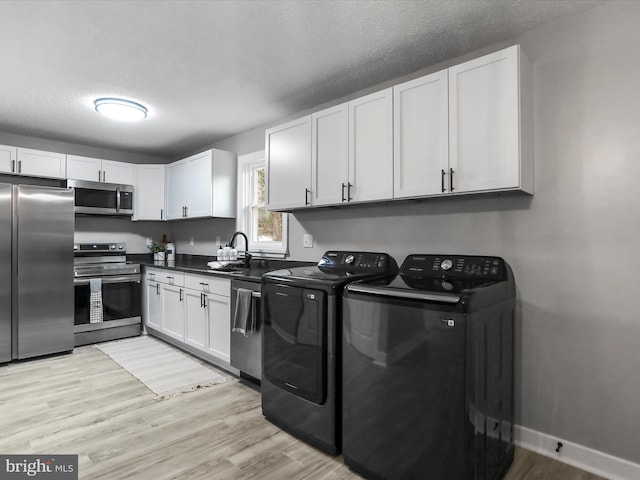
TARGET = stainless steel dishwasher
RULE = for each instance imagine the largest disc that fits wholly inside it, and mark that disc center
(246, 349)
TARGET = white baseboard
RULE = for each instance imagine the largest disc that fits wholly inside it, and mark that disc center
(579, 456)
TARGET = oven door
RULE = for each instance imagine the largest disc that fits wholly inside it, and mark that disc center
(295, 340)
(118, 303)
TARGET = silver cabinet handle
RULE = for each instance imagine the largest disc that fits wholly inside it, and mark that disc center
(202, 283)
(13, 166)
(162, 214)
(451, 179)
(157, 289)
(19, 166)
(442, 180)
(349, 185)
(180, 294)
(343, 187)
(99, 175)
(306, 196)
(104, 175)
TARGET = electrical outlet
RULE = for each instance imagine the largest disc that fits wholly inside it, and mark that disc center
(307, 240)
(149, 242)
(191, 242)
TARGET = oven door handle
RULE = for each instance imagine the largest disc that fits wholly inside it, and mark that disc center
(114, 279)
(408, 295)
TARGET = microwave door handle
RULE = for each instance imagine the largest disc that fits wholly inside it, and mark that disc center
(118, 199)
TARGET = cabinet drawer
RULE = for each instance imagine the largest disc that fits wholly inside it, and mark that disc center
(169, 277)
(209, 284)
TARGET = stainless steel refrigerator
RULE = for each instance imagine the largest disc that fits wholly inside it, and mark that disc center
(36, 271)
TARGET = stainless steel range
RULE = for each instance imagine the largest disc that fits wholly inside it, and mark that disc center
(107, 293)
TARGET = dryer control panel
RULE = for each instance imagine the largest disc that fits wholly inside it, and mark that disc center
(358, 262)
(454, 266)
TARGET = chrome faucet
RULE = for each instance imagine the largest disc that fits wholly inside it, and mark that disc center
(247, 256)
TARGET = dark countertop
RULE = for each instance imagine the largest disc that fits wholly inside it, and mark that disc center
(198, 264)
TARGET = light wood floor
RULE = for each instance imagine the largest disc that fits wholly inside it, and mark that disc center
(86, 404)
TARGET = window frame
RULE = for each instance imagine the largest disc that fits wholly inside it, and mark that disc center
(247, 164)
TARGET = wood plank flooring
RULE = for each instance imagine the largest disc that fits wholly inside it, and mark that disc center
(85, 404)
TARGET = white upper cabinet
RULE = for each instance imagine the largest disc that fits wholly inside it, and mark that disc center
(7, 159)
(371, 147)
(84, 168)
(203, 185)
(465, 129)
(176, 189)
(98, 170)
(421, 136)
(288, 162)
(117, 172)
(488, 123)
(39, 163)
(148, 202)
(330, 155)
(200, 191)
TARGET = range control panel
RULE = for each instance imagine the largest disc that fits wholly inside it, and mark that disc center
(358, 261)
(80, 248)
(454, 266)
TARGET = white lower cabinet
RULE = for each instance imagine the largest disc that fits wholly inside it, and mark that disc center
(196, 319)
(193, 309)
(173, 310)
(218, 316)
(153, 304)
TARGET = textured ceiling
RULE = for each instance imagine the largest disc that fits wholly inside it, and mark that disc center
(210, 69)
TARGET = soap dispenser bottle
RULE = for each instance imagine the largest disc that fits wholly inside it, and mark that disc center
(219, 253)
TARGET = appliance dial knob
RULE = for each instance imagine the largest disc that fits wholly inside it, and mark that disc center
(446, 264)
(349, 259)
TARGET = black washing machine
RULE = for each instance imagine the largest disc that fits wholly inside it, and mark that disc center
(428, 370)
(302, 310)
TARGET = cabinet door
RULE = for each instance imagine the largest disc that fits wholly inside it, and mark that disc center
(117, 172)
(330, 155)
(176, 189)
(7, 159)
(153, 303)
(84, 168)
(288, 151)
(41, 164)
(173, 311)
(199, 181)
(484, 122)
(371, 147)
(196, 319)
(218, 310)
(148, 203)
(421, 136)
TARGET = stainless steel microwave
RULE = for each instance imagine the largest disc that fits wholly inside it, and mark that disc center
(98, 198)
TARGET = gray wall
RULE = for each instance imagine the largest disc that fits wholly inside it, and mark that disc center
(573, 246)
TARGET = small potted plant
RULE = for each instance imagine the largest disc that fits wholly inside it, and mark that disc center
(158, 249)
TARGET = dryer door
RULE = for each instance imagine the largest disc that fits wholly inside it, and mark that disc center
(295, 340)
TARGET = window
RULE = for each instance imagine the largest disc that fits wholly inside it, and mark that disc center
(267, 231)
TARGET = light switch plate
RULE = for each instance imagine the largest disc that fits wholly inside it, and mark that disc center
(307, 240)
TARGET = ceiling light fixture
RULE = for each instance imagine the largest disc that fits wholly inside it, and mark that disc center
(119, 109)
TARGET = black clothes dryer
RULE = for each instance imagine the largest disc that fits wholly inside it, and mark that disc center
(302, 310)
(428, 371)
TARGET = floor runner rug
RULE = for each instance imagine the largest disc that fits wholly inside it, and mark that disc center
(163, 369)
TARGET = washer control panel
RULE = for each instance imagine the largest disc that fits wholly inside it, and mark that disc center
(454, 266)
